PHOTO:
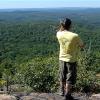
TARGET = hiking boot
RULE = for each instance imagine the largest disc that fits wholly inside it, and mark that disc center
(69, 97)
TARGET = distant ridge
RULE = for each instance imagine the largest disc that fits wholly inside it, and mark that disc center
(45, 9)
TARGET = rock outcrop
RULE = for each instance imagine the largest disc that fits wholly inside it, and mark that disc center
(46, 96)
(95, 97)
(7, 97)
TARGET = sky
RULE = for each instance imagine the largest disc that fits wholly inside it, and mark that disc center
(4, 4)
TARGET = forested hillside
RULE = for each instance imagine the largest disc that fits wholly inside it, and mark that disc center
(29, 49)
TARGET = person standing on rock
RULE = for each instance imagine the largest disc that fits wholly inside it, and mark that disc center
(70, 43)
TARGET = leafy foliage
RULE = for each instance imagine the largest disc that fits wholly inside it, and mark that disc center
(41, 76)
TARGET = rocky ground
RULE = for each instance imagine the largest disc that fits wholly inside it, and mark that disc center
(46, 96)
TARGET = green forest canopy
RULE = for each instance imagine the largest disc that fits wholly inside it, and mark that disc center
(28, 36)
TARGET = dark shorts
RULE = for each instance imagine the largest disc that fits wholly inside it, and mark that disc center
(68, 72)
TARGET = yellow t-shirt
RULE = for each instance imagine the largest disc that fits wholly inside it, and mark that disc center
(69, 45)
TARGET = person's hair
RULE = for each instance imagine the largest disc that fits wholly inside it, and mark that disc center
(65, 24)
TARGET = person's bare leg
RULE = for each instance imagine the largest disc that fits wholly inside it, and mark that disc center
(68, 88)
(62, 88)
(68, 92)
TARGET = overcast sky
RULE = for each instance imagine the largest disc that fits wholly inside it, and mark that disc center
(48, 3)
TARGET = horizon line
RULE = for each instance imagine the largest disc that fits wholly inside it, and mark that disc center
(46, 7)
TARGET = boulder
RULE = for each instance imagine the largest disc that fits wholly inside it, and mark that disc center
(28, 98)
(7, 97)
(95, 97)
(2, 92)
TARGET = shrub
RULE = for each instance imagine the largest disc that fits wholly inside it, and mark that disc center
(86, 77)
(40, 74)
